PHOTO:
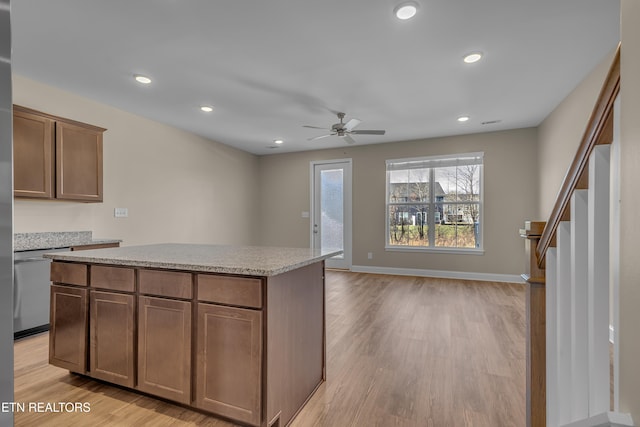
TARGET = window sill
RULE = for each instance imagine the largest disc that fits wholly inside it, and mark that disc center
(452, 251)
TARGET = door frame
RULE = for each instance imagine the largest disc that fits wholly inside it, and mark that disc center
(348, 207)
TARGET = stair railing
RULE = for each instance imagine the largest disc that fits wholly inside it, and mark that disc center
(568, 286)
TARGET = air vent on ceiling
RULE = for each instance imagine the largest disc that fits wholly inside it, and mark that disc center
(273, 146)
(491, 122)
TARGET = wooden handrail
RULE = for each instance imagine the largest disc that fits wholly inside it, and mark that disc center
(598, 131)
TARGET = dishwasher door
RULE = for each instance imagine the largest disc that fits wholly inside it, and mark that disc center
(31, 292)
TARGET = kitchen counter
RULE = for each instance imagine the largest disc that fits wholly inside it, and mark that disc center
(244, 260)
(56, 239)
(242, 327)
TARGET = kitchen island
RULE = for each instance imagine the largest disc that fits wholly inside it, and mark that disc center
(238, 332)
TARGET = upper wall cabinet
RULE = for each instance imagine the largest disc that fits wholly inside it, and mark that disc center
(56, 158)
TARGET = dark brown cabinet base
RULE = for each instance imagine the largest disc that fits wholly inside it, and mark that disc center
(229, 367)
(247, 348)
(164, 348)
(68, 330)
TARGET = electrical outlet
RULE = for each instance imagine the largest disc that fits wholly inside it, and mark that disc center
(120, 212)
(370, 255)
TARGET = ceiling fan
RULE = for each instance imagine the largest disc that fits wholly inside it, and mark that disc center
(345, 130)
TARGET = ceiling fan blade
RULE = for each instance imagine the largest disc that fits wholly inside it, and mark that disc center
(314, 127)
(348, 139)
(368, 132)
(352, 124)
(319, 137)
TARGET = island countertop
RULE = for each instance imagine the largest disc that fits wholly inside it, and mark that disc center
(241, 260)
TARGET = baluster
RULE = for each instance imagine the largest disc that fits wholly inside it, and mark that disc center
(598, 279)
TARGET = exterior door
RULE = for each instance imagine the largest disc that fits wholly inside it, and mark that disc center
(331, 210)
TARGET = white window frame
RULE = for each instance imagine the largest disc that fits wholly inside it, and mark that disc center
(433, 162)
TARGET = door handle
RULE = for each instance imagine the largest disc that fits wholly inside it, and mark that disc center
(315, 228)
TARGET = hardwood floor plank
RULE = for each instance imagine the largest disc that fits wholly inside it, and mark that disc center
(401, 351)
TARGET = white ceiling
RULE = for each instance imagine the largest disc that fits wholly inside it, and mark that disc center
(270, 66)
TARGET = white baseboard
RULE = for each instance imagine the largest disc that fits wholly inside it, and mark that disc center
(441, 274)
(606, 419)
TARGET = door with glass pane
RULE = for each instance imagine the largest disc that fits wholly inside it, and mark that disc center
(331, 210)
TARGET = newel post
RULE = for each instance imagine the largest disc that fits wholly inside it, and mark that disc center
(536, 337)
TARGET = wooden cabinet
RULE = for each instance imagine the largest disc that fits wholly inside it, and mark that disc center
(111, 351)
(78, 162)
(56, 157)
(229, 362)
(68, 316)
(251, 349)
(33, 155)
(164, 348)
(165, 370)
(68, 330)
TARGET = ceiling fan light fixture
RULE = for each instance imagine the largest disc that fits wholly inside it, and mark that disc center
(142, 79)
(472, 57)
(406, 10)
(463, 119)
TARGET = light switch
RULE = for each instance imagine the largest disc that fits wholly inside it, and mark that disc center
(120, 212)
(305, 214)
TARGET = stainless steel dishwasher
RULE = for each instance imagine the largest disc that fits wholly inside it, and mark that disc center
(31, 292)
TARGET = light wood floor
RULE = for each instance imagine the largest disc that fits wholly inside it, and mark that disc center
(402, 351)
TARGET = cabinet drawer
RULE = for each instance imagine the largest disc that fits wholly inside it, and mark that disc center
(115, 278)
(240, 291)
(171, 284)
(71, 274)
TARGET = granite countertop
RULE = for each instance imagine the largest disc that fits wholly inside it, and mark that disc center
(55, 239)
(245, 260)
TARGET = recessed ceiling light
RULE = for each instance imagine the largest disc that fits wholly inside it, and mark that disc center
(463, 118)
(406, 10)
(278, 141)
(206, 108)
(142, 79)
(472, 57)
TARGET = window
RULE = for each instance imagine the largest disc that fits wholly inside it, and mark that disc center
(435, 203)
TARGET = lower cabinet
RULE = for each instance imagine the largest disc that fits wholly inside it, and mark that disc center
(112, 337)
(229, 362)
(164, 348)
(68, 328)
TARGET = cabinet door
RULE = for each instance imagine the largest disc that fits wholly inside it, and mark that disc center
(229, 362)
(68, 335)
(78, 162)
(111, 340)
(164, 348)
(32, 155)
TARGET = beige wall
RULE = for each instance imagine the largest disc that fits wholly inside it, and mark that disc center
(559, 135)
(178, 187)
(510, 180)
(630, 209)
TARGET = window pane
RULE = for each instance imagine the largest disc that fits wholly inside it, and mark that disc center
(468, 183)
(459, 226)
(331, 218)
(419, 185)
(445, 185)
(408, 225)
(398, 186)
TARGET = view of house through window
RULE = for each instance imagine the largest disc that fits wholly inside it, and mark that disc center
(435, 202)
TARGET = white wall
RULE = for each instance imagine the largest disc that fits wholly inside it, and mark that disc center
(177, 186)
(510, 189)
(560, 133)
